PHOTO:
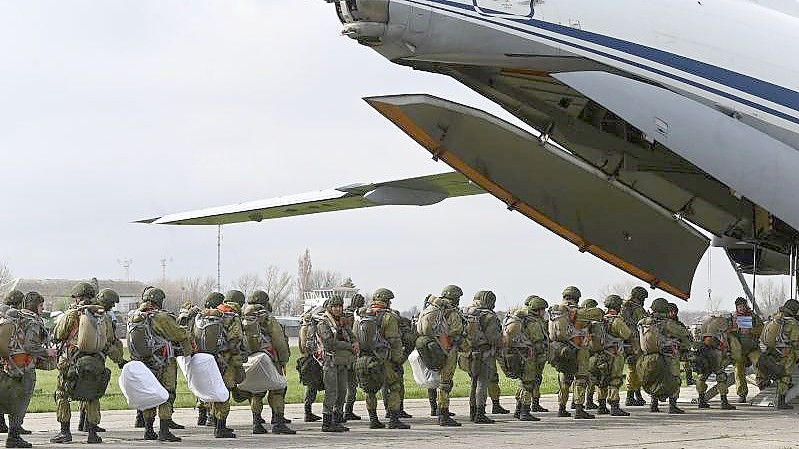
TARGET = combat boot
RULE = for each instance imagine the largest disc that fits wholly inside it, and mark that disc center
(149, 431)
(445, 419)
(498, 409)
(602, 408)
(782, 404)
(580, 413)
(258, 425)
(518, 409)
(702, 402)
(15, 440)
(536, 406)
(395, 422)
(92, 437)
(82, 421)
(524, 414)
(590, 404)
(3, 426)
(404, 415)
(327, 421)
(615, 410)
(139, 424)
(171, 424)
(725, 404)
(65, 436)
(639, 400)
(433, 398)
(279, 425)
(689, 378)
(562, 413)
(337, 423)
(211, 421)
(742, 399)
(22, 431)
(673, 409)
(164, 433)
(630, 400)
(309, 416)
(480, 416)
(202, 416)
(472, 411)
(278, 419)
(654, 407)
(222, 431)
(374, 422)
(349, 415)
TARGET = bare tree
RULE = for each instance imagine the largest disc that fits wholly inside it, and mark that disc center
(713, 303)
(325, 279)
(279, 285)
(5, 273)
(183, 290)
(622, 289)
(248, 283)
(771, 294)
(196, 288)
(304, 273)
(410, 313)
(348, 283)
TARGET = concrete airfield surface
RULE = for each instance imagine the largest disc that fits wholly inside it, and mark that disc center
(747, 427)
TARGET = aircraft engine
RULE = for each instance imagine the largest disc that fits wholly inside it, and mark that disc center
(364, 20)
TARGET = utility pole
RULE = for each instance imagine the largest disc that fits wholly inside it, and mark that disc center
(219, 258)
(126, 263)
(163, 270)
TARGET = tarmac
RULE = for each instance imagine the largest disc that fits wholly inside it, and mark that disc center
(749, 427)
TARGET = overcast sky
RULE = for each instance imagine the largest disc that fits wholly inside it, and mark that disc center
(116, 111)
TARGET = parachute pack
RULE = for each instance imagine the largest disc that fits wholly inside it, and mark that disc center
(188, 312)
(87, 379)
(433, 319)
(657, 377)
(370, 373)
(474, 326)
(209, 333)
(431, 353)
(94, 328)
(143, 342)
(255, 340)
(11, 335)
(407, 334)
(652, 337)
(368, 333)
(561, 324)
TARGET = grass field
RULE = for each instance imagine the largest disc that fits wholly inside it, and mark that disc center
(114, 400)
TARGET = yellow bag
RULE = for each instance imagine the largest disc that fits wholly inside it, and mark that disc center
(93, 329)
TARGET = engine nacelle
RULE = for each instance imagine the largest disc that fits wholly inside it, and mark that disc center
(364, 20)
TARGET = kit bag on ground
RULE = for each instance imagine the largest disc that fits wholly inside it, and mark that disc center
(431, 352)
(422, 375)
(203, 377)
(310, 372)
(93, 330)
(261, 375)
(370, 373)
(87, 378)
(140, 387)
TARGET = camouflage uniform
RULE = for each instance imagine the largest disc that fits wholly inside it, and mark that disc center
(339, 348)
(611, 358)
(715, 353)
(230, 359)
(525, 334)
(272, 340)
(356, 303)
(781, 338)
(212, 301)
(576, 338)
(306, 343)
(485, 338)
(744, 344)
(632, 311)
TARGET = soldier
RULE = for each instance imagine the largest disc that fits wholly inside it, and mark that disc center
(12, 300)
(526, 341)
(229, 359)
(661, 340)
(569, 337)
(356, 303)
(378, 334)
(270, 338)
(484, 332)
(591, 387)
(408, 336)
(339, 350)
(615, 334)
(307, 343)
(204, 417)
(166, 333)
(744, 344)
(714, 356)
(674, 314)
(632, 311)
(442, 320)
(781, 338)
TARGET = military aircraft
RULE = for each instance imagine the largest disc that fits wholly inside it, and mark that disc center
(652, 120)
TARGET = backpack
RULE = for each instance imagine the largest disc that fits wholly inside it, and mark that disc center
(656, 376)
(407, 334)
(433, 320)
(144, 343)
(563, 357)
(13, 397)
(11, 334)
(94, 327)
(717, 327)
(310, 372)
(474, 326)
(653, 339)
(430, 351)
(209, 333)
(368, 333)
(370, 373)
(774, 335)
(255, 340)
(187, 315)
(86, 379)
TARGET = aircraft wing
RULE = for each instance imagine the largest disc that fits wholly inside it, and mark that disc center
(420, 191)
(561, 192)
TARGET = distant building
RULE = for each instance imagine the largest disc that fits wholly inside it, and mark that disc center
(316, 298)
(57, 291)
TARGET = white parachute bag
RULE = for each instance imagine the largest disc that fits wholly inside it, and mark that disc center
(261, 375)
(203, 377)
(140, 387)
(424, 376)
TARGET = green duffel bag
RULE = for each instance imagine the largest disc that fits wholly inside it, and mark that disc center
(770, 365)
(370, 373)
(563, 357)
(87, 379)
(310, 372)
(13, 397)
(431, 352)
(656, 375)
(511, 362)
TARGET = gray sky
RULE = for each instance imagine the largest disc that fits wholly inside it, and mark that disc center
(115, 111)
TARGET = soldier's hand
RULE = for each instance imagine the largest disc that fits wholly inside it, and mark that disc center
(356, 348)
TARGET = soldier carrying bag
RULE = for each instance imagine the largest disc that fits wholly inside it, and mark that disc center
(87, 378)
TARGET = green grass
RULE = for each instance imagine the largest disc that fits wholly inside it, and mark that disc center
(114, 400)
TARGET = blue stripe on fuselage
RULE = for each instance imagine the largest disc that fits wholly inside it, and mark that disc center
(753, 86)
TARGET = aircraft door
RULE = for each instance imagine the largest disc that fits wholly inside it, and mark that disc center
(505, 8)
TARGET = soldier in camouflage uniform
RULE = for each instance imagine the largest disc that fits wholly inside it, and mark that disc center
(484, 332)
(408, 336)
(590, 389)
(204, 416)
(339, 350)
(11, 301)
(270, 339)
(162, 363)
(781, 338)
(674, 314)
(616, 334)
(230, 359)
(392, 355)
(745, 344)
(525, 336)
(66, 332)
(576, 341)
(714, 352)
(307, 340)
(356, 303)
(632, 311)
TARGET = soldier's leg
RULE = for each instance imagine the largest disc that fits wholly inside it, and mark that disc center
(447, 374)
(616, 381)
(341, 395)
(257, 408)
(92, 420)
(371, 408)
(701, 389)
(29, 384)
(63, 413)
(310, 398)
(529, 384)
(494, 392)
(784, 383)
(741, 386)
(277, 402)
(581, 383)
(487, 371)
(352, 391)
(633, 383)
(329, 375)
(539, 363)
(149, 420)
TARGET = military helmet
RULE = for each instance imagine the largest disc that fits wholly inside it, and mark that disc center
(613, 302)
(792, 306)
(83, 290)
(13, 298)
(571, 293)
(154, 295)
(383, 295)
(660, 305)
(235, 296)
(357, 301)
(213, 300)
(258, 297)
(740, 300)
(639, 294)
(335, 300)
(486, 298)
(536, 303)
(107, 298)
(589, 303)
(452, 292)
(32, 301)
(673, 308)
